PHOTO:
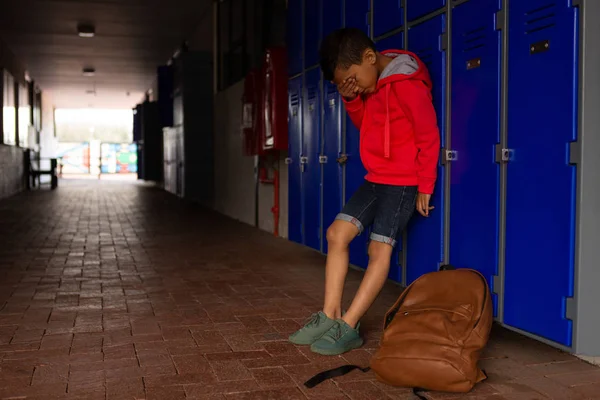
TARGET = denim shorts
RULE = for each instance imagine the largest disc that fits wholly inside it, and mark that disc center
(388, 208)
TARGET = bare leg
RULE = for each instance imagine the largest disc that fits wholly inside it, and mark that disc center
(339, 236)
(372, 283)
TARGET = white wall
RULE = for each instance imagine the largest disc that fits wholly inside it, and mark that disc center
(234, 172)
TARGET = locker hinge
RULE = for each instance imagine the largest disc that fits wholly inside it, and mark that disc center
(500, 20)
(503, 155)
(288, 161)
(576, 3)
(322, 159)
(448, 156)
(574, 153)
(368, 18)
(444, 41)
(496, 284)
(571, 309)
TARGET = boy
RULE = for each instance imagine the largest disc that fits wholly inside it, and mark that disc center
(388, 97)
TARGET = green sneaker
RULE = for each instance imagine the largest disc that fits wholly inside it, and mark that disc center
(340, 339)
(316, 326)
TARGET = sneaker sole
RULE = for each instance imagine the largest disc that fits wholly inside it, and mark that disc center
(355, 344)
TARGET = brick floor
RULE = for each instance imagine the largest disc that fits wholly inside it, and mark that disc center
(120, 291)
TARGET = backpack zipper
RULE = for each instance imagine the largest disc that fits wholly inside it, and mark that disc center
(393, 314)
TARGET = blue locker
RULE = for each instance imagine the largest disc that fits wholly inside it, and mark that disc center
(425, 247)
(295, 36)
(474, 177)
(387, 16)
(395, 42)
(311, 168)
(294, 168)
(418, 8)
(357, 14)
(332, 150)
(541, 184)
(312, 32)
(332, 16)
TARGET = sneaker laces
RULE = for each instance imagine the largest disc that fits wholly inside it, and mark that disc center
(335, 333)
(313, 320)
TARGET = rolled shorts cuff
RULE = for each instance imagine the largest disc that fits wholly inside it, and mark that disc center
(383, 239)
(352, 220)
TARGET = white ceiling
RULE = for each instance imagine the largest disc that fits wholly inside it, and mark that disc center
(132, 38)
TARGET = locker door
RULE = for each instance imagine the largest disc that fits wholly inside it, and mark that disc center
(392, 42)
(312, 32)
(332, 12)
(418, 8)
(332, 149)
(387, 16)
(474, 177)
(311, 150)
(425, 247)
(295, 36)
(294, 167)
(541, 184)
(357, 14)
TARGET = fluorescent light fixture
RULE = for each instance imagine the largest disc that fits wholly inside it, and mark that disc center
(86, 31)
(89, 72)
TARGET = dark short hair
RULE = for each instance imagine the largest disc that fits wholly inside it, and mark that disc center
(342, 49)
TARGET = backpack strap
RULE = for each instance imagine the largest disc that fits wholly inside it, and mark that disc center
(333, 373)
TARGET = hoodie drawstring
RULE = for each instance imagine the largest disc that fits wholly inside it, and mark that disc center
(386, 139)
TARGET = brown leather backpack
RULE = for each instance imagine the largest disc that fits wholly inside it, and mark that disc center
(435, 332)
(433, 335)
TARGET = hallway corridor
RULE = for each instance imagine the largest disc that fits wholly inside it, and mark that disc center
(115, 290)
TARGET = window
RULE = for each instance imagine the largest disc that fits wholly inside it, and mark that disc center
(24, 116)
(8, 113)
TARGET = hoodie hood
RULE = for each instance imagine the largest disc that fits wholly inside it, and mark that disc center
(405, 65)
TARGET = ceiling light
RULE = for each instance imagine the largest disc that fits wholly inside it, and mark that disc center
(86, 31)
(89, 72)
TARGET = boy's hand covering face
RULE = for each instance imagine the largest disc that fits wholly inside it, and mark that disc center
(349, 89)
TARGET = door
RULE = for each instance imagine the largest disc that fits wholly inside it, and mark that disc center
(418, 8)
(295, 36)
(388, 15)
(312, 32)
(332, 16)
(356, 14)
(474, 176)
(425, 241)
(311, 167)
(332, 150)
(394, 42)
(294, 166)
(541, 184)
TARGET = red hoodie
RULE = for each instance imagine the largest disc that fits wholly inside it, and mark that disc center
(399, 136)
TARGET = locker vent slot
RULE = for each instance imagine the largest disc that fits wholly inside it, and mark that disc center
(312, 94)
(426, 55)
(474, 39)
(294, 99)
(540, 18)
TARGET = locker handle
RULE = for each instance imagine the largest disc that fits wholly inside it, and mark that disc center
(303, 160)
(342, 159)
